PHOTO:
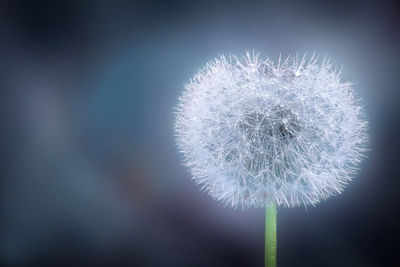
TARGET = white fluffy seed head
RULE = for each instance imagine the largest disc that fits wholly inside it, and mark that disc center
(254, 133)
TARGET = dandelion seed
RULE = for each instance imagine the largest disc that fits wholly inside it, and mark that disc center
(258, 134)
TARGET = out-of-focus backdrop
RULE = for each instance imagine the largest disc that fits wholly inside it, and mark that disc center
(90, 172)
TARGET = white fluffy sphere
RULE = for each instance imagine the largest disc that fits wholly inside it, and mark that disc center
(254, 133)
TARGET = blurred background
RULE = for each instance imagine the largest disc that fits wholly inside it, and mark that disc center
(90, 172)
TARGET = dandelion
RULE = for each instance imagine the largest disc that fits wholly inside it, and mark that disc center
(254, 133)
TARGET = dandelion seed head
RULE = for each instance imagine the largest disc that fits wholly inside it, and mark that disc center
(255, 133)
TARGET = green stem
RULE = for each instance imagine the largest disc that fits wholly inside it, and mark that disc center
(270, 236)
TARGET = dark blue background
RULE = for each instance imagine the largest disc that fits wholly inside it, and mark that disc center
(91, 175)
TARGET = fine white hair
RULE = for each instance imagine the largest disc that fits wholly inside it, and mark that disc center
(255, 133)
